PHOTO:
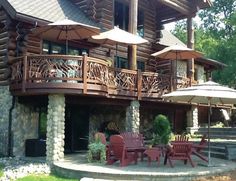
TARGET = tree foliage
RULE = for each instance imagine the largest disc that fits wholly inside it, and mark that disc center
(216, 37)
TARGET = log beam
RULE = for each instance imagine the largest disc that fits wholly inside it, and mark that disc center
(179, 6)
(133, 19)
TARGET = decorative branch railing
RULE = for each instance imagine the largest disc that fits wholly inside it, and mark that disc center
(86, 73)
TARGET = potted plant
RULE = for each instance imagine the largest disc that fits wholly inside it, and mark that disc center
(97, 151)
(161, 130)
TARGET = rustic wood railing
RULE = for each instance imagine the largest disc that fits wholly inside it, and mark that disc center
(83, 75)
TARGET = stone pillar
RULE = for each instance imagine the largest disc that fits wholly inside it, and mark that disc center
(55, 128)
(6, 101)
(192, 120)
(132, 117)
(24, 126)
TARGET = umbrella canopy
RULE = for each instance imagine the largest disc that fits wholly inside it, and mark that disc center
(177, 52)
(67, 30)
(117, 35)
(210, 93)
(204, 92)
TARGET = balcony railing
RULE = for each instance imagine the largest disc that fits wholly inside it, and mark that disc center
(43, 74)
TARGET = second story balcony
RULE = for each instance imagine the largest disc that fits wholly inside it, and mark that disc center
(64, 74)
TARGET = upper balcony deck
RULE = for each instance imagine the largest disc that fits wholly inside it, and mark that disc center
(65, 74)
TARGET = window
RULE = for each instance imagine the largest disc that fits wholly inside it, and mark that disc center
(42, 122)
(123, 63)
(55, 48)
(121, 18)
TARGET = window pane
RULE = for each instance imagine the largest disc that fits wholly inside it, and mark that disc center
(46, 48)
(118, 15)
(73, 51)
(121, 62)
(42, 123)
(140, 25)
(141, 65)
(57, 49)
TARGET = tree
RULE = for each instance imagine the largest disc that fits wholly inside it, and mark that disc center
(216, 37)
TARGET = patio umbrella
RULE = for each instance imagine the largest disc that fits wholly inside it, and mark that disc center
(67, 30)
(117, 35)
(177, 52)
(209, 93)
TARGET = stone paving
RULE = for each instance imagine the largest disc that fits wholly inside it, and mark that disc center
(76, 166)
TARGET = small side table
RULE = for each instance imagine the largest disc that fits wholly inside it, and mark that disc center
(153, 155)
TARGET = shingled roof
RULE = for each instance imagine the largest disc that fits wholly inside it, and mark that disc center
(45, 11)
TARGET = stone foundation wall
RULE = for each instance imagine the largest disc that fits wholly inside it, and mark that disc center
(24, 126)
(100, 116)
(55, 128)
(6, 102)
(192, 120)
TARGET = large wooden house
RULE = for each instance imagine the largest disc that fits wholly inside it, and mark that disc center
(66, 98)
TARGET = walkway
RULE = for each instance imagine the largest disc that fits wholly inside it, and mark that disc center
(76, 166)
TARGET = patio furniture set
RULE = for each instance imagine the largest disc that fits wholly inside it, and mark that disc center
(128, 147)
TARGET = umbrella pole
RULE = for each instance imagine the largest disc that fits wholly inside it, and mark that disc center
(66, 41)
(209, 125)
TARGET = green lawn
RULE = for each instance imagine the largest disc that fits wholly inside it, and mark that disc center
(44, 178)
(1, 170)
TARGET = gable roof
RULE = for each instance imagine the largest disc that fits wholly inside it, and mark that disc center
(169, 39)
(45, 11)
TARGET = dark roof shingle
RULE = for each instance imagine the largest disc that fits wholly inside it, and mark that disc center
(50, 10)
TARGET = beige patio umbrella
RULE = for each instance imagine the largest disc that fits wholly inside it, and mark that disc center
(209, 93)
(177, 52)
(66, 30)
(117, 35)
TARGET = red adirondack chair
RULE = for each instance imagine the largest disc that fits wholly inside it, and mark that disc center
(197, 148)
(134, 140)
(181, 138)
(120, 152)
(179, 151)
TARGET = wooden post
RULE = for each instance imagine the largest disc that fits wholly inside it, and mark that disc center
(190, 37)
(133, 20)
(25, 68)
(85, 60)
(139, 84)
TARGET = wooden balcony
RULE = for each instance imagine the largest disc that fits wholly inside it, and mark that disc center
(48, 74)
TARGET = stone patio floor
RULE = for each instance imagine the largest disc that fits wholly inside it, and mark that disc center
(76, 166)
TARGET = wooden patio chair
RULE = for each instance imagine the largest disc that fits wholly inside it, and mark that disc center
(134, 140)
(179, 151)
(120, 152)
(181, 138)
(197, 148)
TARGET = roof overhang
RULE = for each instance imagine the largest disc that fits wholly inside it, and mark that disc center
(210, 64)
(21, 17)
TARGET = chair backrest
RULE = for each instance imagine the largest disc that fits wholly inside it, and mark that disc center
(202, 144)
(117, 145)
(101, 136)
(181, 138)
(181, 148)
(133, 139)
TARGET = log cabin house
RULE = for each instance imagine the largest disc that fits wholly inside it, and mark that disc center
(100, 87)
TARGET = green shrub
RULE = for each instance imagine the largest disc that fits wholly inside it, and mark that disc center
(161, 130)
(96, 152)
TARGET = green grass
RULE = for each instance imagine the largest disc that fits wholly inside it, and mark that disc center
(1, 169)
(44, 178)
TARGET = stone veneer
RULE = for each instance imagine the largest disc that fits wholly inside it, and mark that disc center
(192, 120)
(132, 117)
(6, 102)
(55, 128)
(24, 126)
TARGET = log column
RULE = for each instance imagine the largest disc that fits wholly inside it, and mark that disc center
(190, 37)
(133, 20)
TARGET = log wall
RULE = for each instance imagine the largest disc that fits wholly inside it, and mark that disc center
(102, 12)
